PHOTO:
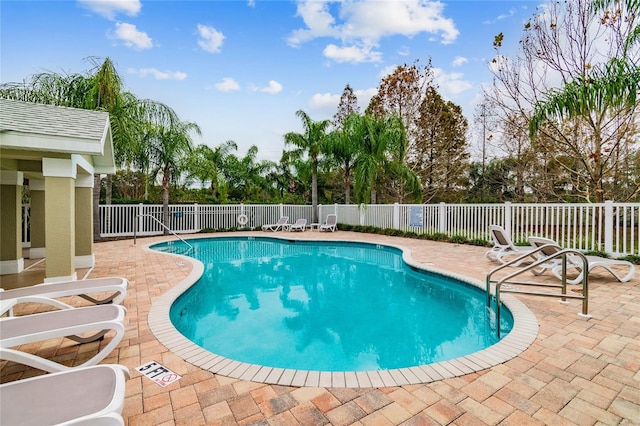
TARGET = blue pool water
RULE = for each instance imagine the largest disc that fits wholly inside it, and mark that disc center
(327, 306)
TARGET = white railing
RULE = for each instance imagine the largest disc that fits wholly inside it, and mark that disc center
(610, 227)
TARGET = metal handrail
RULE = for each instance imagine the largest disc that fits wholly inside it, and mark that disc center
(508, 279)
(135, 229)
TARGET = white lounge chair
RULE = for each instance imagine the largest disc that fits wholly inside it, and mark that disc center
(299, 225)
(330, 224)
(574, 262)
(87, 395)
(48, 292)
(503, 248)
(70, 323)
(281, 225)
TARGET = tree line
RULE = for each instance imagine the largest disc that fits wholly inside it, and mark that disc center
(558, 123)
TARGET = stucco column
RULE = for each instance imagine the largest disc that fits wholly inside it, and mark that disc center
(11, 260)
(84, 222)
(36, 217)
(59, 183)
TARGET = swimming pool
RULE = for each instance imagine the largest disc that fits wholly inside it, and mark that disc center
(388, 261)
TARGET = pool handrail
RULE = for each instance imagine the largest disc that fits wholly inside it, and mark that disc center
(135, 230)
(507, 280)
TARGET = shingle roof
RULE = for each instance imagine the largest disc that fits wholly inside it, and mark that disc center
(51, 120)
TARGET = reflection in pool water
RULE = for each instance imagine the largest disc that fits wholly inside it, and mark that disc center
(327, 306)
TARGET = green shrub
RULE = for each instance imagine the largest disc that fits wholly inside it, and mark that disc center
(439, 236)
(633, 258)
(459, 239)
(480, 242)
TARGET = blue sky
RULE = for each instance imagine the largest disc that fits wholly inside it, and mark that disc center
(241, 69)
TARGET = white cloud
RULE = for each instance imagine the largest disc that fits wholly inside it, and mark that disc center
(273, 88)
(324, 103)
(452, 83)
(364, 22)
(210, 39)
(227, 84)
(351, 54)
(318, 20)
(110, 8)
(459, 60)
(158, 75)
(364, 97)
(131, 37)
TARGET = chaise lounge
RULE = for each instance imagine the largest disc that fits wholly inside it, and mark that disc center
(280, 225)
(70, 323)
(87, 395)
(575, 262)
(299, 225)
(503, 248)
(48, 292)
(330, 224)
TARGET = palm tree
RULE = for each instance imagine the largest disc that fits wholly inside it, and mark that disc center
(312, 143)
(384, 143)
(207, 164)
(101, 89)
(344, 147)
(170, 147)
(246, 175)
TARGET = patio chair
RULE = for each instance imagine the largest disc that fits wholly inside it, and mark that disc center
(280, 225)
(299, 225)
(330, 224)
(48, 292)
(503, 248)
(88, 395)
(574, 262)
(70, 323)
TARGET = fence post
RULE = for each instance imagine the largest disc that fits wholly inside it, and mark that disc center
(361, 213)
(608, 226)
(442, 218)
(196, 217)
(396, 216)
(507, 218)
(140, 218)
(281, 210)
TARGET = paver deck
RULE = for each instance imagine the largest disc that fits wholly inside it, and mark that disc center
(577, 371)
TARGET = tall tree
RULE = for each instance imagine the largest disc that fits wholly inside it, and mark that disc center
(441, 149)
(246, 176)
(207, 164)
(347, 106)
(313, 144)
(168, 152)
(400, 94)
(565, 43)
(383, 142)
(344, 146)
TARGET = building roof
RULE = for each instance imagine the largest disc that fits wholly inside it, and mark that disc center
(56, 129)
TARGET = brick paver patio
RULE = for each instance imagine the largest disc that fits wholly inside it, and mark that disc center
(578, 371)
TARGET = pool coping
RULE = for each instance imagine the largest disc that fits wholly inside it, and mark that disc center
(522, 335)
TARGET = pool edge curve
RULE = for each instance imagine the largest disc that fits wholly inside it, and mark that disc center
(521, 336)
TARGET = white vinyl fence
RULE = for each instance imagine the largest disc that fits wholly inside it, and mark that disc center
(610, 227)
